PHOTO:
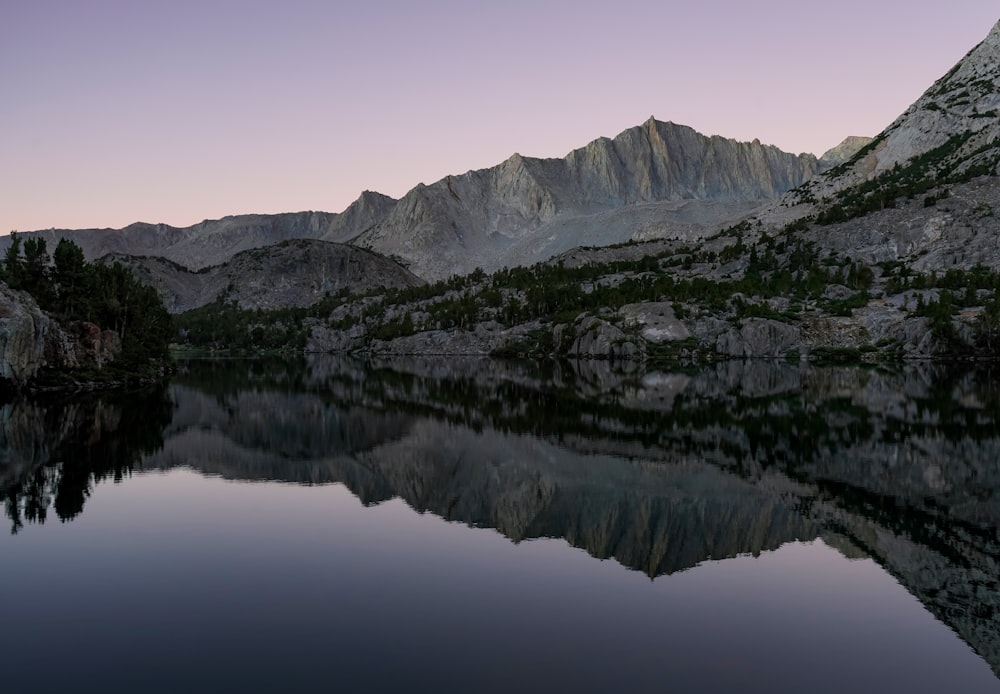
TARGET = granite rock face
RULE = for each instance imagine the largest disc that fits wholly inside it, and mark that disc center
(596, 338)
(91, 345)
(759, 338)
(31, 340)
(24, 331)
(656, 322)
(958, 231)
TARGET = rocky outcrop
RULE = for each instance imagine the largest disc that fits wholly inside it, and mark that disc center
(31, 340)
(599, 339)
(759, 338)
(655, 321)
(291, 274)
(590, 337)
(526, 210)
(484, 338)
(80, 345)
(25, 331)
(93, 346)
(957, 231)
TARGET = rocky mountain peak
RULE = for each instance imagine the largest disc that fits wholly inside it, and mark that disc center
(994, 35)
(373, 199)
(528, 209)
(369, 209)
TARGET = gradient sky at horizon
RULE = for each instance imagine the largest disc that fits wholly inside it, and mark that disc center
(116, 111)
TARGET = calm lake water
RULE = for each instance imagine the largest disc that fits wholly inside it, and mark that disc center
(472, 526)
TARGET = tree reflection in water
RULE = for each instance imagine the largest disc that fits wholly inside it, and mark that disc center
(53, 452)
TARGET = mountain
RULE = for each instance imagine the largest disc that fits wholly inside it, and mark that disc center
(949, 136)
(962, 104)
(654, 180)
(295, 273)
(651, 181)
(925, 191)
(890, 254)
(215, 241)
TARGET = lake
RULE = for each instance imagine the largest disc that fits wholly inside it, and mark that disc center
(466, 525)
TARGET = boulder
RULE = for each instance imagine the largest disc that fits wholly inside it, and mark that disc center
(656, 321)
(93, 346)
(598, 339)
(324, 339)
(759, 338)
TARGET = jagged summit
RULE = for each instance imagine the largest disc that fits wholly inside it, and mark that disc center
(652, 180)
(372, 197)
(655, 179)
(369, 209)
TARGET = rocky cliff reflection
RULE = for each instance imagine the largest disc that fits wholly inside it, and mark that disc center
(659, 470)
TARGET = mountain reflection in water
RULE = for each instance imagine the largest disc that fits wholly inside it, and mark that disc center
(660, 471)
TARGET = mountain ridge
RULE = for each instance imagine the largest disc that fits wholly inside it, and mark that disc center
(214, 241)
(484, 218)
(497, 216)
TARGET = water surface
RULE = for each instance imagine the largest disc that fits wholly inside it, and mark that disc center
(473, 526)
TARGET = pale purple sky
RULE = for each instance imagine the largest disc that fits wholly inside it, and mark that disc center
(115, 111)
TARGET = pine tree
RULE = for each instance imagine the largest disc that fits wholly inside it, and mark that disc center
(36, 280)
(70, 277)
(13, 266)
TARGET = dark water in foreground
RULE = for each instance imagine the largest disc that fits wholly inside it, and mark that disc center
(473, 526)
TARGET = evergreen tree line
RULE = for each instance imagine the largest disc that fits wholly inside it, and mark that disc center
(69, 288)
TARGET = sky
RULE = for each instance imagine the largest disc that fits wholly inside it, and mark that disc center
(117, 111)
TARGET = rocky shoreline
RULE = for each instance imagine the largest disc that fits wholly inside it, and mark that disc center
(38, 354)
